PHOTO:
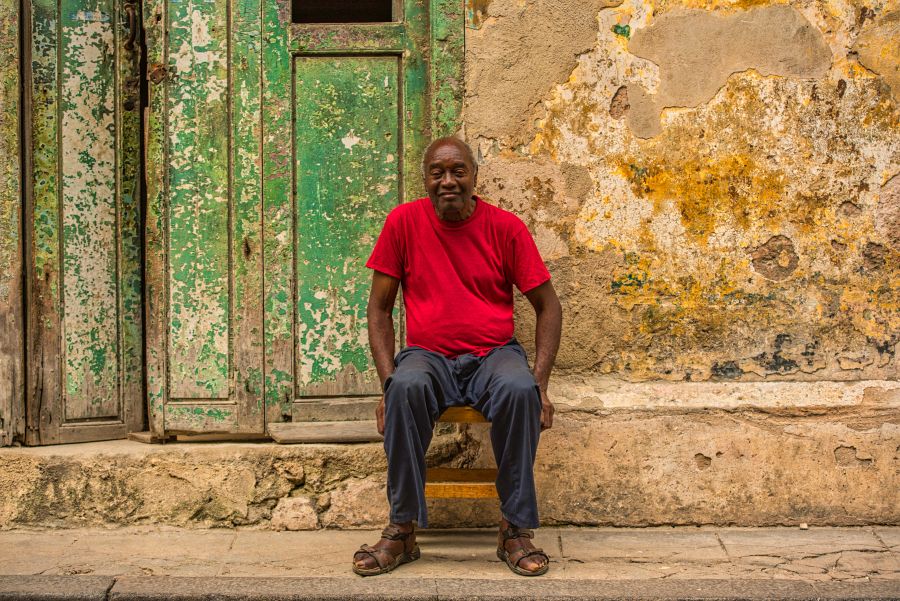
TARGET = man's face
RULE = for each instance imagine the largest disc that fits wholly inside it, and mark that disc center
(449, 180)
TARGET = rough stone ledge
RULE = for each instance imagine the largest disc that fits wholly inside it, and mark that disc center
(723, 454)
(159, 588)
(590, 394)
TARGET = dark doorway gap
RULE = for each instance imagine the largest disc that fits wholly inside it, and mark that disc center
(341, 11)
(18, 415)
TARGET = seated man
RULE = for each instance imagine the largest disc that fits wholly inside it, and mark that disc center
(457, 258)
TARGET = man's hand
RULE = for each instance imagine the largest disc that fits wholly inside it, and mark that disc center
(548, 326)
(547, 411)
(379, 416)
(381, 331)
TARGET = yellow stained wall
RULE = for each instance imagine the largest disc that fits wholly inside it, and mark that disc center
(713, 184)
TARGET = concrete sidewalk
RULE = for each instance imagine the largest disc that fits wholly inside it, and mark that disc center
(601, 563)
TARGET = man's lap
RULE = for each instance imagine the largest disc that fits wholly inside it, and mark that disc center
(468, 379)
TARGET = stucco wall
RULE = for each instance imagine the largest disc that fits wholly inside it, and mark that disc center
(712, 184)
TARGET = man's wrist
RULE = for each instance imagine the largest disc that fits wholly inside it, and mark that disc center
(542, 381)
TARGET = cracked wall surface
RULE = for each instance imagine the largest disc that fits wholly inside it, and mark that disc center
(712, 183)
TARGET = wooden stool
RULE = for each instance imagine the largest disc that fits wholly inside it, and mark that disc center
(459, 483)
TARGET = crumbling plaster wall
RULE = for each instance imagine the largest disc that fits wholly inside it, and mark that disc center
(714, 185)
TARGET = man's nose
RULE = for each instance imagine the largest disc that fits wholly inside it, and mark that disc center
(447, 180)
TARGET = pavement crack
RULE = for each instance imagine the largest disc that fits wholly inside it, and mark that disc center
(110, 587)
(837, 560)
(880, 540)
(722, 545)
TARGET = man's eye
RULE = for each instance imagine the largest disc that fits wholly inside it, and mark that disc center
(459, 173)
(435, 174)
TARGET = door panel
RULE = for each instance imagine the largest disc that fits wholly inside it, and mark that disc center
(348, 178)
(358, 102)
(85, 378)
(198, 247)
(360, 116)
(89, 210)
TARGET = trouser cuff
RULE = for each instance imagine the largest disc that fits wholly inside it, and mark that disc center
(521, 521)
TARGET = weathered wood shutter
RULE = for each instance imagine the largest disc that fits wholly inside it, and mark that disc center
(204, 243)
(84, 341)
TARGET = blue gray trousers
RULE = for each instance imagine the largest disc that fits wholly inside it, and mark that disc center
(500, 386)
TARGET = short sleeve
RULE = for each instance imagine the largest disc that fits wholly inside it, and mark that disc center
(387, 256)
(526, 266)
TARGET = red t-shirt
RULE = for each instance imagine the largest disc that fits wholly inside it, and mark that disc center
(457, 277)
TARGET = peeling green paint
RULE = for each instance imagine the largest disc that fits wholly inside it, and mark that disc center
(84, 276)
(156, 280)
(89, 208)
(204, 226)
(246, 214)
(278, 241)
(348, 179)
(197, 152)
(250, 293)
(622, 30)
(447, 61)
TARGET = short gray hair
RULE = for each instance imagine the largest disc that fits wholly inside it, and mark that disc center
(456, 142)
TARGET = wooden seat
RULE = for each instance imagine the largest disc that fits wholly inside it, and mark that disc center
(460, 483)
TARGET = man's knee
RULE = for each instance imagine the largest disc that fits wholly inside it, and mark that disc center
(518, 386)
(408, 386)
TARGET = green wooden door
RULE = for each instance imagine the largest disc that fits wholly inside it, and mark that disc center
(356, 103)
(85, 379)
(275, 150)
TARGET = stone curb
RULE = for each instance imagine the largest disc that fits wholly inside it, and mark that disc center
(55, 588)
(159, 588)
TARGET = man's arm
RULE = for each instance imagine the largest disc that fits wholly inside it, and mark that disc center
(381, 331)
(548, 330)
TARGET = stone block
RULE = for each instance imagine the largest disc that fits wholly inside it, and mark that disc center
(358, 503)
(295, 513)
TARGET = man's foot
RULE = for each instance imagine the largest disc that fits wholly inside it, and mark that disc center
(514, 546)
(397, 546)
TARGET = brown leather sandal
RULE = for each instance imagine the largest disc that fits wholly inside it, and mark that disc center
(513, 558)
(385, 560)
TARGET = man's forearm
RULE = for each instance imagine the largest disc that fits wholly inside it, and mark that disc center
(381, 342)
(548, 330)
